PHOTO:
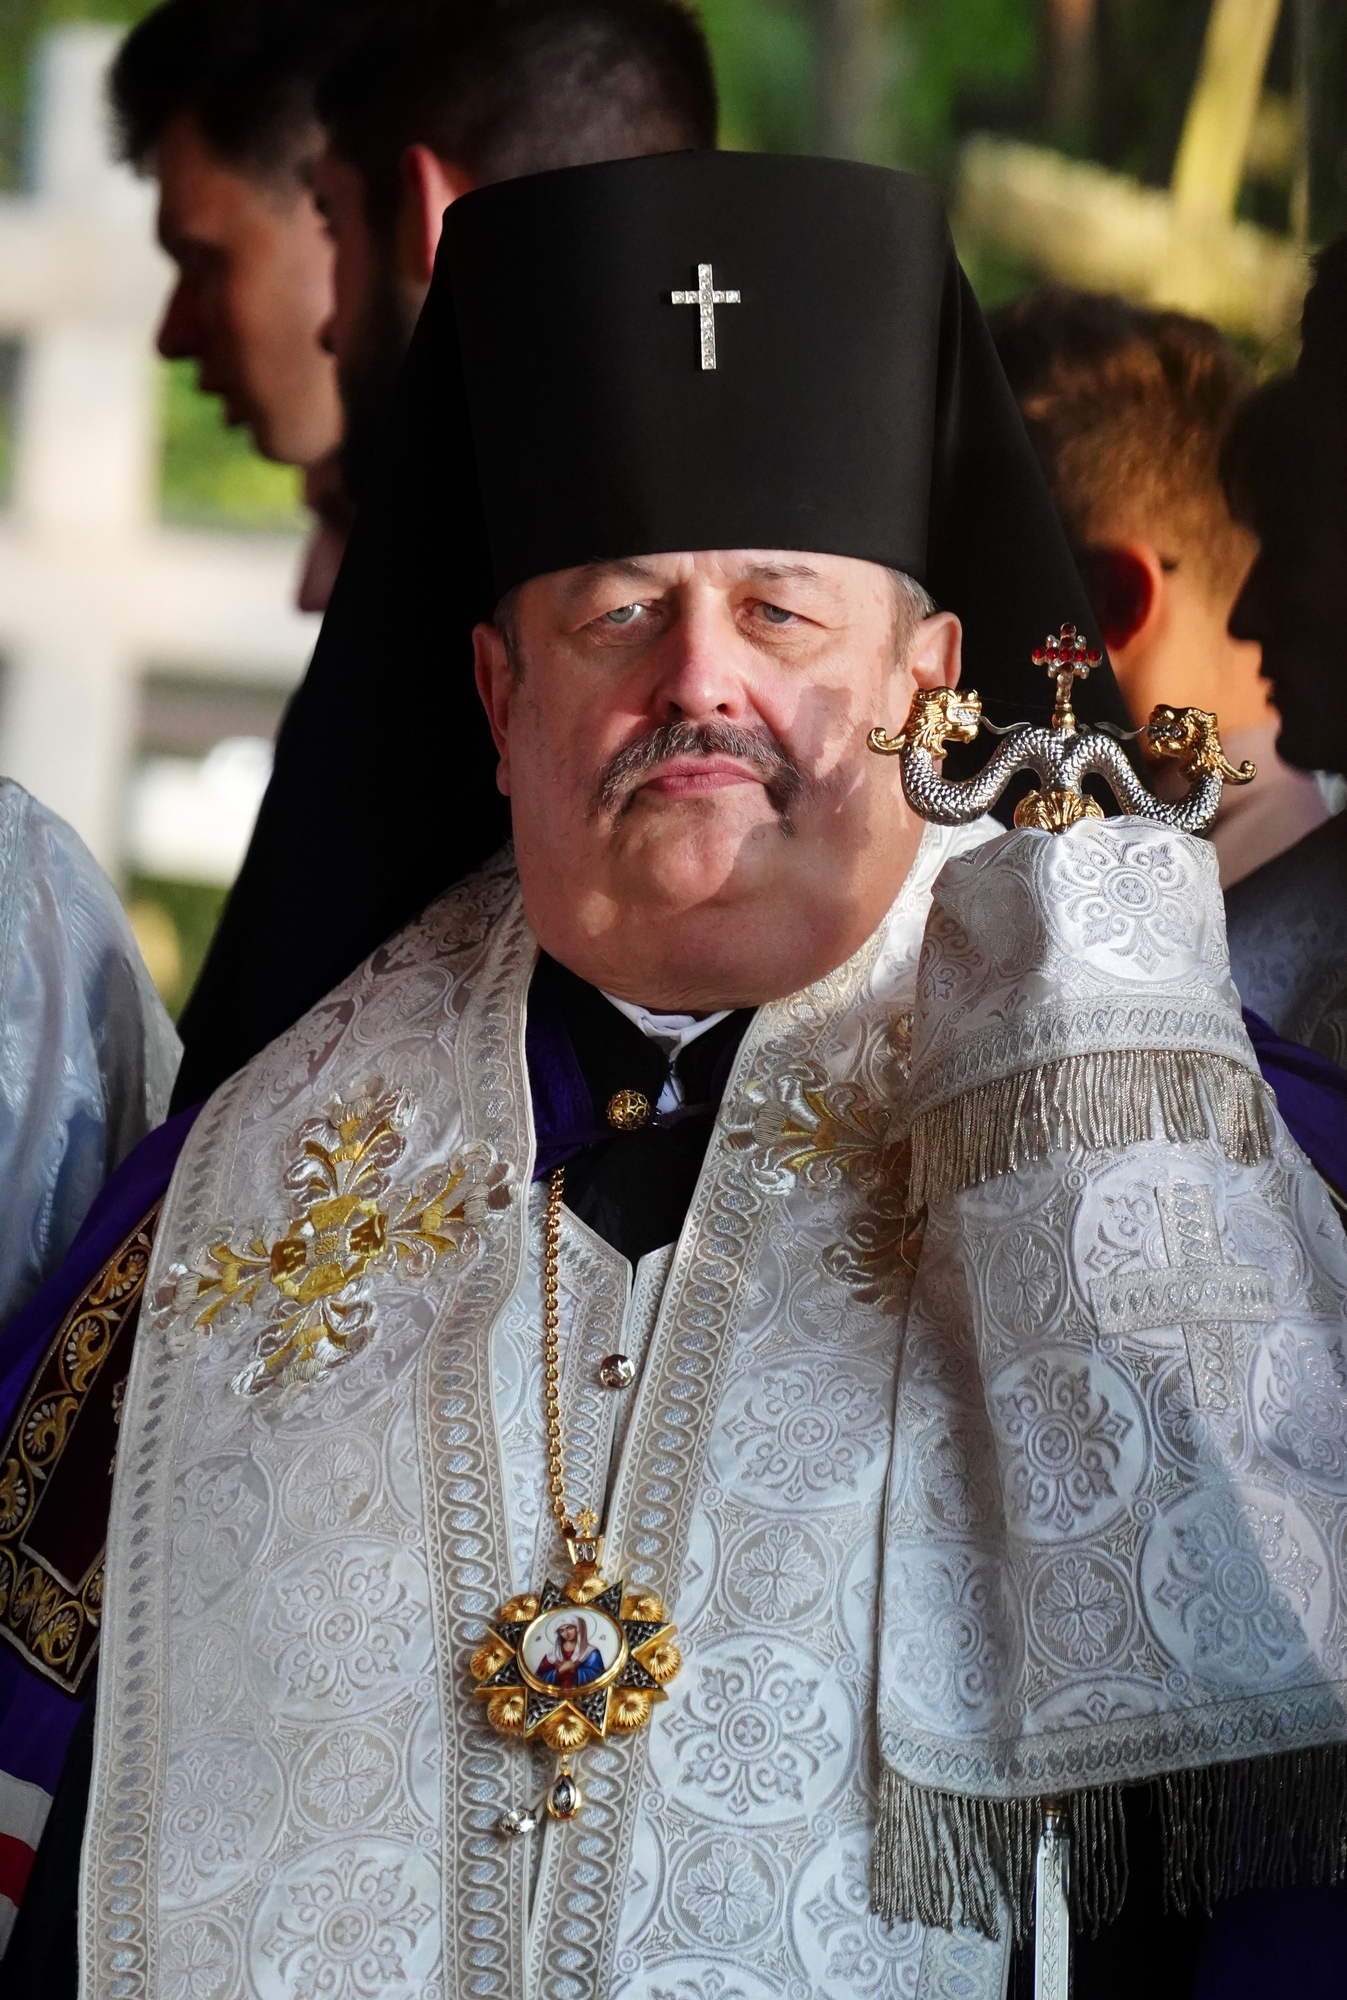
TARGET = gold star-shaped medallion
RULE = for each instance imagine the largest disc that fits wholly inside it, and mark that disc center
(577, 1662)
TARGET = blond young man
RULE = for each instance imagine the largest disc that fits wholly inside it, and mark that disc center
(1127, 411)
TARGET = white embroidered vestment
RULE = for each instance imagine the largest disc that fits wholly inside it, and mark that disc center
(331, 1474)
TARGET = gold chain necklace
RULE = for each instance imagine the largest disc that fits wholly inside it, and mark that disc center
(573, 1663)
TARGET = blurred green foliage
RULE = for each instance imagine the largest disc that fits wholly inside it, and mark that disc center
(193, 909)
(945, 67)
(1146, 62)
(931, 55)
(212, 477)
(764, 53)
(981, 57)
(10, 352)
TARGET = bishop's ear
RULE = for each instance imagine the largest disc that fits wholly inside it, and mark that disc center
(496, 684)
(935, 654)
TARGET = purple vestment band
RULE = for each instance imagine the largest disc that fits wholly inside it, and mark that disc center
(1311, 1093)
(37, 1718)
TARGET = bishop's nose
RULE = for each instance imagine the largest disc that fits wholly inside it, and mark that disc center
(702, 669)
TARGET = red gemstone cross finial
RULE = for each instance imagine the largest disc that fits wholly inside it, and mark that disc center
(1067, 658)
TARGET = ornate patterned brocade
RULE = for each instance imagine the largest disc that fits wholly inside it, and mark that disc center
(1117, 1519)
(348, 1222)
(51, 1574)
(297, 1779)
(1076, 991)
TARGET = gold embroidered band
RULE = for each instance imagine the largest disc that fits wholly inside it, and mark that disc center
(54, 1514)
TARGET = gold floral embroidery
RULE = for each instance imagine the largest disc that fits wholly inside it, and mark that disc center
(348, 1221)
(810, 1132)
(877, 1258)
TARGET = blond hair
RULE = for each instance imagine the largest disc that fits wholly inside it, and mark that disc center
(1127, 411)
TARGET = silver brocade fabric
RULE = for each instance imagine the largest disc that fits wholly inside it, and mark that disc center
(87, 1053)
(1047, 946)
(1117, 1519)
(294, 1790)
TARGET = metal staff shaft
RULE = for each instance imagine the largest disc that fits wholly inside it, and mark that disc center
(1052, 1919)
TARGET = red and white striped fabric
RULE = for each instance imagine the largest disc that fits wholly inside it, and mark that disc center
(23, 1814)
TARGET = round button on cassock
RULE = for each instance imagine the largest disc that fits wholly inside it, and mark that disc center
(628, 1110)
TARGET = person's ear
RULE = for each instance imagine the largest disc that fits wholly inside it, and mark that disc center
(935, 655)
(496, 686)
(430, 185)
(1125, 583)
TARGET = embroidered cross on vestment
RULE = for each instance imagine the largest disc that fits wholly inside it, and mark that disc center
(1199, 1293)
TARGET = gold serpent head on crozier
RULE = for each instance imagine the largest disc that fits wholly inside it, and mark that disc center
(937, 716)
(1189, 738)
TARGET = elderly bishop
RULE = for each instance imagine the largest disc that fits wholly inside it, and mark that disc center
(681, 1445)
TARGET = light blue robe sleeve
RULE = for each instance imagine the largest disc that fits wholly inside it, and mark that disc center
(87, 1052)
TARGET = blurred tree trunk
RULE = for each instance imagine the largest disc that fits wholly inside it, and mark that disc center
(1070, 50)
(849, 75)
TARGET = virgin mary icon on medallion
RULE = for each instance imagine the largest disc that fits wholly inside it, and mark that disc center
(575, 1662)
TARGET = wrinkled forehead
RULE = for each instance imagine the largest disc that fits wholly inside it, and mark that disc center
(809, 574)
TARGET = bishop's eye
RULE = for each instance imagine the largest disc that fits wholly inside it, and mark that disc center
(624, 614)
(777, 614)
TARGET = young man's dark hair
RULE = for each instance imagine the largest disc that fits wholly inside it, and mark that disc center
(441, 96)
(1285, 465)
(518, 87)
(246, 70)
(1323, 327)
(1127, 409)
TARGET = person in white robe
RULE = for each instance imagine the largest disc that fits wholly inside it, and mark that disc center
(88, 1054)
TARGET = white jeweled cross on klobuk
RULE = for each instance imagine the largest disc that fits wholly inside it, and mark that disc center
(707, 298)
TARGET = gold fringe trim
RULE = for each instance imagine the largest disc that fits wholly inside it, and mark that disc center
(1104, 1102)
(952, 1862)
(1267, 1824)
(948, 1861)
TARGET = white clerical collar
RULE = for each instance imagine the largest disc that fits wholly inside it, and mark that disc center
(672, 1032)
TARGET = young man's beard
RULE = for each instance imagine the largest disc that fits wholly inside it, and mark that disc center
(367, 373)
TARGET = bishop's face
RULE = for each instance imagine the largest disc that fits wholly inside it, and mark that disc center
(697, 819)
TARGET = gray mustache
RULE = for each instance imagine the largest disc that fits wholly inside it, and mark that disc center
(782, 777)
